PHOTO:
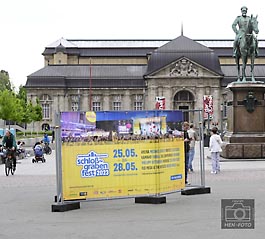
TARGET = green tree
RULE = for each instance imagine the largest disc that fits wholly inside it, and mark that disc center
(26, 114)
(22, 93)
(36, 112)
(31, 112)
(15, 107)
(5, 83)
(25, 107)
(37, 116)
(9, 105)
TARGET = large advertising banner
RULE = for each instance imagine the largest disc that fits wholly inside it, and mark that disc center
(106, 160)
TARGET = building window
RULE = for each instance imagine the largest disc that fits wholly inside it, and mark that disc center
(45, 101)
(184, 95)
(117, 102)
(116, 106)
(138, 103)
(46, 111)
(45, 97)
(75, 106)
(96, 106)
(75, 103)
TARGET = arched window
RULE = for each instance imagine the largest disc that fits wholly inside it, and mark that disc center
(184, 95)
(45, 101)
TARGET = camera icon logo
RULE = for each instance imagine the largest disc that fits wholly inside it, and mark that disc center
(237, 213)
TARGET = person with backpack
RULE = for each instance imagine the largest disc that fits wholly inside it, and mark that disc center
(46, 139)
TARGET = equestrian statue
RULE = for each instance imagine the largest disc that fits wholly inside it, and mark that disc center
(246, 43)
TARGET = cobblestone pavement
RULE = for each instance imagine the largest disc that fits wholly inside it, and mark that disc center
(26, 200)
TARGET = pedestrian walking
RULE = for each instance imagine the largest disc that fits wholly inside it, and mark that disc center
(53, 136)
(215, 149)
(186, 149)
(193, 138)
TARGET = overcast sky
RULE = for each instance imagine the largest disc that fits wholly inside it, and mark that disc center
(28, 26)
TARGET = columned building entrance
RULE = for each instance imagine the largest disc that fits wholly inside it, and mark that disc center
(184, 100)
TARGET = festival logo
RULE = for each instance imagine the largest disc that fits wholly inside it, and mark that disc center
(93, 165)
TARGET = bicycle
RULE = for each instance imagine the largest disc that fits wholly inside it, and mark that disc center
(9, 165)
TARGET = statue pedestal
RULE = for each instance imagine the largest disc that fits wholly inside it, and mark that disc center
(245, 137)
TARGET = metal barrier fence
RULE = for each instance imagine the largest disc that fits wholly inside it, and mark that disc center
(196, 177)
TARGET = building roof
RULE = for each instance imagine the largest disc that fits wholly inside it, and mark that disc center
(183, 47)
(162, 53)
(76, 76)
(119, 43)
(112, 76)
(103, 52)
(133, 47)
(138, 43)
(230, 73)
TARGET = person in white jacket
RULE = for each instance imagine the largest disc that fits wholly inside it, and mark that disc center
(215, 149)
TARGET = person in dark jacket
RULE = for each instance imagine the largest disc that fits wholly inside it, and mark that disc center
(9, 141)
(186, 127)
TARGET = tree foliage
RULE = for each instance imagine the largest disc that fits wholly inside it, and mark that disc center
(8, 104)
(5, 83)
(16, 107)
(37, 111)
(26, 114)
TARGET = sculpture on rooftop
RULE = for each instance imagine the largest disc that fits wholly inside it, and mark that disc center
(246, 43)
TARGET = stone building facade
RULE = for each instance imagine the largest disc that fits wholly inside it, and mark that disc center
(103, 75)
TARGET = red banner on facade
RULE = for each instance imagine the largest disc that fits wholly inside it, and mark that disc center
(160, 103)
(208, 106)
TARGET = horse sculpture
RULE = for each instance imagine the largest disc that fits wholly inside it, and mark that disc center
(247, 47)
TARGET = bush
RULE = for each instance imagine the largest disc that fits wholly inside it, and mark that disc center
(29, 134)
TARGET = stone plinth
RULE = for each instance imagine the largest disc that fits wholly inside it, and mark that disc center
(245, 137)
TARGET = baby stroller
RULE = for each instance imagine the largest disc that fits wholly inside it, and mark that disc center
(38, 153)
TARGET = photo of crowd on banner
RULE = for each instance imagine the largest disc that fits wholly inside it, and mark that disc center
(120, 126)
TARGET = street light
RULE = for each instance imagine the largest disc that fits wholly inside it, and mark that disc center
(221, 121)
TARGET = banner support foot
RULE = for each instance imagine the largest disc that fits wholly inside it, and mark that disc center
(194, 191)
(63, 207)
(151, 200)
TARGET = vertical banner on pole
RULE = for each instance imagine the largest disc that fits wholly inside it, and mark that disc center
(160, 103)
(207, 106)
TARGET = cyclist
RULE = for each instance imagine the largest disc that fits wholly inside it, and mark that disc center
(9, 141)
(46, 139)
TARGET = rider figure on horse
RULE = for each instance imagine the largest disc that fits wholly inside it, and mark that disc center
(242, 22)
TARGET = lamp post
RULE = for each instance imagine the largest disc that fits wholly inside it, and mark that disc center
(78, 98)
(221, 120)
(90, 85)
